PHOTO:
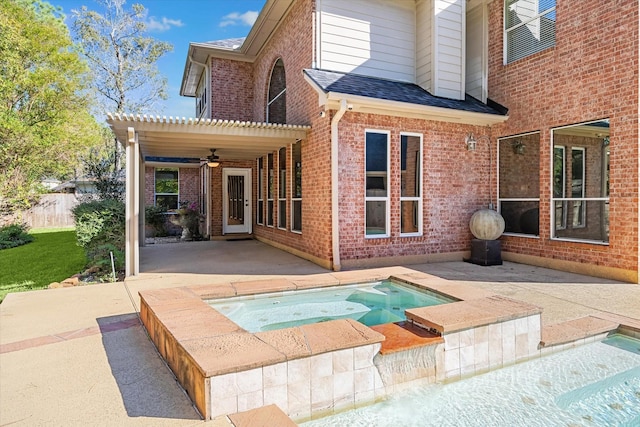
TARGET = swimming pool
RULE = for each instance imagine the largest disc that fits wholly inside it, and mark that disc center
(371, 304)
(596, 384)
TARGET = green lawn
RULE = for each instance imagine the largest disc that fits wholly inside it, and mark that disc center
(53, 256)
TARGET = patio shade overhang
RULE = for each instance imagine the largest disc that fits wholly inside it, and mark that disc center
(193, 138)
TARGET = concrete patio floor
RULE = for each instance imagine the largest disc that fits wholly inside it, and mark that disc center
(79, 356)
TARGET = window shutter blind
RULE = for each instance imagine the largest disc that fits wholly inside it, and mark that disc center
(530, 27)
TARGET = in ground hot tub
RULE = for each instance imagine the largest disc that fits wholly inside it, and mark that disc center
(369, 303)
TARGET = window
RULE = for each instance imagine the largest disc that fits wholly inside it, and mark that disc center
(270, 189)
(529, 27)
(166, 188)
(282, 188)
(376, 184)
(201, 97)
(577, 185)
(260, 213)
(277, 99)
(580, 197)
(519, 183)
(410, 184)
(296, 187)
(559, 189)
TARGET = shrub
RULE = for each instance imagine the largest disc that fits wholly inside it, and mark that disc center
(14, 235)
(100, 229)
(155, 217)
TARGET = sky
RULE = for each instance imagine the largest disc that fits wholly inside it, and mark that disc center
(180, 22)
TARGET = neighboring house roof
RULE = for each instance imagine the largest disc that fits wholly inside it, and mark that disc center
(338, 84)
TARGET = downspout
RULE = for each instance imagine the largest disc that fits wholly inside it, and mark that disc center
(335, 223)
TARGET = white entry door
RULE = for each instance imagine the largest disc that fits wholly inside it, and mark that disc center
(236, 200)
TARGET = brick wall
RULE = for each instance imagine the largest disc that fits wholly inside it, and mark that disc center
(455, 184)
(293, 42)
(591, 74)
(231, 89)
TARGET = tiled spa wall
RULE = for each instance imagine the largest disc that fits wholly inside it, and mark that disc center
(483, 348)
(334, 381)
(318, 385)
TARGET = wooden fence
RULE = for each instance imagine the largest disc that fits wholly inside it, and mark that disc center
(53, 210)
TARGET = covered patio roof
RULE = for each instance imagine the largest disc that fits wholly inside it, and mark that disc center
(186, 137)
(149, 136)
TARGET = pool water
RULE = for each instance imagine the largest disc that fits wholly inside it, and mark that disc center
(597, 384)
(371, 304)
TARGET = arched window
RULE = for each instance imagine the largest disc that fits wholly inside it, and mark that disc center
(277, 99)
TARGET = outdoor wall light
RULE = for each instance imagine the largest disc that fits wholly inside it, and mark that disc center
(471, 142)
(213, 161)
(518, 147)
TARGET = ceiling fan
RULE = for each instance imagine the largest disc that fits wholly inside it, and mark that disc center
(213, 161)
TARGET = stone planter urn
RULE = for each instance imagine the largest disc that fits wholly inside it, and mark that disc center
(486, 224)
(189, 220)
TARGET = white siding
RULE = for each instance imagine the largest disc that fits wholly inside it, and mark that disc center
(476, 61)
(424, 13)
(370, 37)
(448, 67)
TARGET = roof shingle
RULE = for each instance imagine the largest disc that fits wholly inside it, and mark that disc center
(372, 87)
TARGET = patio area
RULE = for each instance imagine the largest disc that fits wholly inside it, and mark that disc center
(74, 356)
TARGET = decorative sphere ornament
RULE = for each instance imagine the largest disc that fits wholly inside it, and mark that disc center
(486, 224)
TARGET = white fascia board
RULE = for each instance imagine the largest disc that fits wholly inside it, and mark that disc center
(404, 109)
(322, 96)
(200, 54)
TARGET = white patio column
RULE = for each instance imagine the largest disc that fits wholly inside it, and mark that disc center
(142, 202)
(132, 204)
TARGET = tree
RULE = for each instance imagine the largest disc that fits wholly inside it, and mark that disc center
(44, 118)
(122, 59)
(101, 163)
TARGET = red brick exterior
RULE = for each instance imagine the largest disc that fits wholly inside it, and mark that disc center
(231, 89)
(591, 74)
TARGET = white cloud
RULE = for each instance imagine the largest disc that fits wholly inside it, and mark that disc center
(163, 25)
(235, 18)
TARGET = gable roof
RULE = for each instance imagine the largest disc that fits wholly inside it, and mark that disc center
(373, 93)
(239, 49)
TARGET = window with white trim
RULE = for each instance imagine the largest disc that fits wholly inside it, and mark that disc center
(270, 189)
(201, 97)
(166, 188)
(377, 184)
(296, 187)
(410, 184)
(260, 210)
(282, 188)
(529, 27)
(580, 196)
(519, 183)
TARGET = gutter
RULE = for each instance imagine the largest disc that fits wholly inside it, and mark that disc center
(335, 223)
